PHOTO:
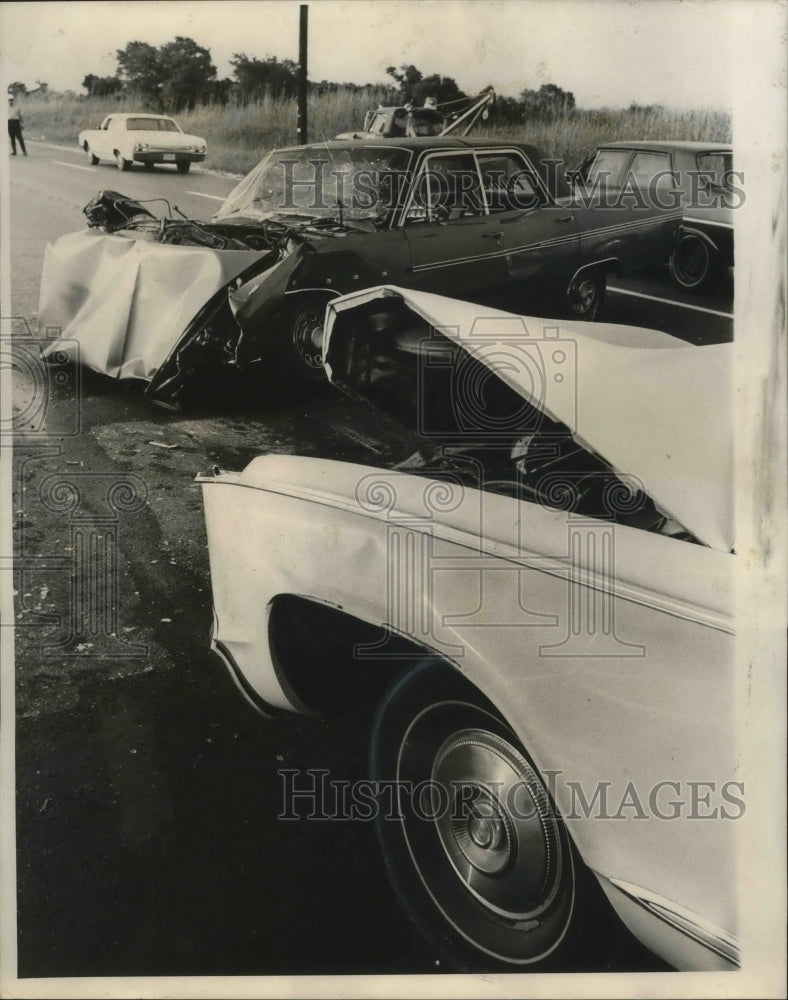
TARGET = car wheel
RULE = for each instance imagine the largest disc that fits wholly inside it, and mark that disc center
(92, 160)
(475, 850)
(148, 166)
(122, 163)
(183, 166)
(303, 347)
(585, 294)
(691, 263)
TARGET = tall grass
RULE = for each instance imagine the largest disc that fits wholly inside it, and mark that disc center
(238, 137)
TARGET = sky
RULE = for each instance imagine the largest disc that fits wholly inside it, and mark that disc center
(680, 53)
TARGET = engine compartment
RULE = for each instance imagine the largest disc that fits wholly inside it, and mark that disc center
(474, 428)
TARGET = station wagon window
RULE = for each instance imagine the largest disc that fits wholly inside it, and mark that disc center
(717, 167)
(508, 182)
(646, 167)
(608, 168)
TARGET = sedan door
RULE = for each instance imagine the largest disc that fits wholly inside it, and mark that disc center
(454, 242)
(537, 240)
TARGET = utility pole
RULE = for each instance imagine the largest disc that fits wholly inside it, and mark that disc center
(301, 128)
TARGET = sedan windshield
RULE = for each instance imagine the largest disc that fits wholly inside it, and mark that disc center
(357, 182)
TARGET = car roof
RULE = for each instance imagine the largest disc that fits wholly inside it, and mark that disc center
(663, 144)
(138, 114)
(418, 144)
(545, 166)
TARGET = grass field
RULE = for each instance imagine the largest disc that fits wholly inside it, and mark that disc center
(238, 137)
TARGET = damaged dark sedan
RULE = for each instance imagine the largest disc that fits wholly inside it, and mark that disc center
(170, 300)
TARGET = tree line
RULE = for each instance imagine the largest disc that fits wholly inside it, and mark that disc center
(180, 75)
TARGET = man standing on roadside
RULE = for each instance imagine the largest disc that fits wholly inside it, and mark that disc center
(15, 127)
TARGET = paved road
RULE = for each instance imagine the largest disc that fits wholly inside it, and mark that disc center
(147, 790)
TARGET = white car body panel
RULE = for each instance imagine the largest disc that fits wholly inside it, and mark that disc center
(609, 711)
(103, 293)
(608, 649)
(685, 466)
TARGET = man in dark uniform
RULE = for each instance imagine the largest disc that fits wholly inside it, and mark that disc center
(15, 127)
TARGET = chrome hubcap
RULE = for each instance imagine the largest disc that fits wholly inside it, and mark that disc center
(308, 337)
(584, 294)
(693, 261)
(498, 833)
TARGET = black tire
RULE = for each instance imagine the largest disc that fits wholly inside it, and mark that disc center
(122, 163)
(491, 880)
(586, 294)
(301, 348)
(182, 166)
(148, 166)
(692, 262)
(92, 160)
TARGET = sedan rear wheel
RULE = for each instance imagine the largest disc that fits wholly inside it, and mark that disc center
(585, 294)
(92, 160)
(122, 163)
(691, 263)
(182, 166)
(475, 849)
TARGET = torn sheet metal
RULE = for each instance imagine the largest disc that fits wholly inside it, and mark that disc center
(127, 302)
(647, 403)
(253, 307)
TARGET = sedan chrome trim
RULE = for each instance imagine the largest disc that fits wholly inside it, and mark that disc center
(706, 933)
(708, 222)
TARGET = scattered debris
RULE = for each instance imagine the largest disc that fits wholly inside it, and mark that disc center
(163, 444)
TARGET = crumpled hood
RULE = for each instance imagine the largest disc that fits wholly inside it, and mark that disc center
(652, 406)
(127, 302)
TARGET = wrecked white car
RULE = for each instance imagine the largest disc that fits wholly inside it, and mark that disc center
(540, 600)
(168, 300)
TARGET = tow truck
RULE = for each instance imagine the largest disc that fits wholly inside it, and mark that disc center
(405, 120)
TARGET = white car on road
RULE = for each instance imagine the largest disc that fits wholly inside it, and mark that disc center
(142, 138)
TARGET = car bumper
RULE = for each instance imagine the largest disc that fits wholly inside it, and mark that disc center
(168, 157)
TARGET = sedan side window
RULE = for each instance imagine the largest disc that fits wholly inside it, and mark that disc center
(508, 182)
(448, 187)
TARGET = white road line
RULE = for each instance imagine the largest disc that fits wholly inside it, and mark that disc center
(669, 302)
(213, 197)
(74, 166)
